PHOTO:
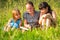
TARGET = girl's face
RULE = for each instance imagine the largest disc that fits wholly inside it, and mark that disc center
(44, 10)
(16, 15)
(29, 8)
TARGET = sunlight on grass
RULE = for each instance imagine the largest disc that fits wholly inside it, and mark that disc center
(6, 7)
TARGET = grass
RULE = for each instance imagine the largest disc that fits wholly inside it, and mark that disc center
(50, 34)
(6, 7)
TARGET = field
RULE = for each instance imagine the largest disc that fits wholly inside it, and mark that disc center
(6, 7)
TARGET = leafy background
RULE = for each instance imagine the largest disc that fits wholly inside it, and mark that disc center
(6, 7)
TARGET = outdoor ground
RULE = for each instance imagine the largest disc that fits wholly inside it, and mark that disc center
(6, 7)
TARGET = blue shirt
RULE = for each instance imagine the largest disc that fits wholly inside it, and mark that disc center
(15, 24)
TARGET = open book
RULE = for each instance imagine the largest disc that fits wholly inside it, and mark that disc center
(23, 28)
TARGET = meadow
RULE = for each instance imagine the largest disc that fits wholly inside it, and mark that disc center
(6, 7)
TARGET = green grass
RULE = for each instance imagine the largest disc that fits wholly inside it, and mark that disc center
(6, 7)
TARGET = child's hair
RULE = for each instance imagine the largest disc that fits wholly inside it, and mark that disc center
(44, 5)
(15, 11)
(31, 3)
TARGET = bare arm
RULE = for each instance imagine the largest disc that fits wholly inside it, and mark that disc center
(40, 21)
(25, 24)
(53, 17)
(41, 17)
(7, 26)
(8, 22)
(20, 24)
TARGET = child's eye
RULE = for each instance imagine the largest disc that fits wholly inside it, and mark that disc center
(16, 14)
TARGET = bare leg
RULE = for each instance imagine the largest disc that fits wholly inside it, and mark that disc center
(43, 23)
(48, 23)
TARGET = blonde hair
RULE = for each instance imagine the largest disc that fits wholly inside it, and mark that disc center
(15, 11)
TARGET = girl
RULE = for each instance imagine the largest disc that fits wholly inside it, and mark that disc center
(14, 22)
(47, 16)
(31, 16)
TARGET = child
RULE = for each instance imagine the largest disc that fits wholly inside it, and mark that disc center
(15, 21)
(47, 16)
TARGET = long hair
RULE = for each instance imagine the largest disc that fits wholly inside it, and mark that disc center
(44, 5)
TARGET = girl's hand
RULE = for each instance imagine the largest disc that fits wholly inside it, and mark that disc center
(48, 15)
(28, 26)
(44, 16)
